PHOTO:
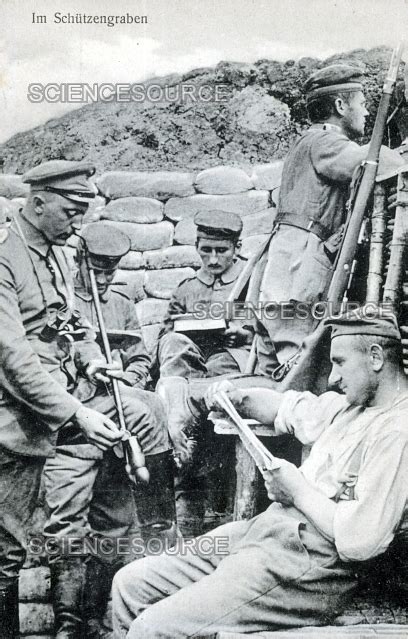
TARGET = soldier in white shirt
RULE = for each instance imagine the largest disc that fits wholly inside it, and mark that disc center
(294, 564)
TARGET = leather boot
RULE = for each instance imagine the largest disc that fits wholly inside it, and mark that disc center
(173, 391)
(98, 582)
(155, 503)
(9, 621)
(67, 586)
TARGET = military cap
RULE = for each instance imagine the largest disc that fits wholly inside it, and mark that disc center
(218, 224)
(105, 243)
(69, 179)
(332, 79)
(365, 320)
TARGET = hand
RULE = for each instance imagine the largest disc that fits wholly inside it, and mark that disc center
(98, 370)
(183, 447)
(235, 395)
(98, 429)
(284, 484)
(235, 335)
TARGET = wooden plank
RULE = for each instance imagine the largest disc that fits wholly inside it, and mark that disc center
(364, 631)
(247, 483)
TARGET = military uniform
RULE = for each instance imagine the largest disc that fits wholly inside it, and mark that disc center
(34, 373)
(311, 214)
(181, 357)
(205, 293)
(206, 357)
(88, 493)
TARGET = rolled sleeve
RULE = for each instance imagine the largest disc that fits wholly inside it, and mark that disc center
(305, 415)
(365, 526)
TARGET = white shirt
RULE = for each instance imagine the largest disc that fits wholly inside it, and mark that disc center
(370, 511)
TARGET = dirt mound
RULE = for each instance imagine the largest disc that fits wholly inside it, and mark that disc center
(263, 111)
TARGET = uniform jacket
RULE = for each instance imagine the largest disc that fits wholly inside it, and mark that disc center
(119, 314)
(196, 294)
(34, 403)
(316, 175)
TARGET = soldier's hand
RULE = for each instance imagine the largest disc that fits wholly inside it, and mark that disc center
(284, 483)
(98, 370)
(234, 394)
(236, 335)
(97, 428)
(183, 447)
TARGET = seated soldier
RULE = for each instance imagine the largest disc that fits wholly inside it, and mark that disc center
(204, 353)
(88, 494)
(294, 564)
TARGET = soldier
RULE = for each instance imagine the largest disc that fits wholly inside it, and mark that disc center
(311, 211)
(88, 494)
(181, 357)
(36, 368)
(294, 564)
(106, 246)
(205, 354)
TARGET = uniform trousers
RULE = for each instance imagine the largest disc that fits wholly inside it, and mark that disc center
(273, 571)
(89, 495)
(295, 279)
(179, 356)
(19, 487)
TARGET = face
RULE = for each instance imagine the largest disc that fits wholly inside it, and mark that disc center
(352, 371)
(57, 217)
(103, 276)
(216, 255)
(354, 115)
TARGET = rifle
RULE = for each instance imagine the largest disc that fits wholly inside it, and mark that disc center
(344, 266)
(300, 376)
(132, 451)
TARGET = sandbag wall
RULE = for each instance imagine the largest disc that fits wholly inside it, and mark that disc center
(156, 210)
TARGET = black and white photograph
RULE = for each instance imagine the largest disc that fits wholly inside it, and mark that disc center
(203, 319)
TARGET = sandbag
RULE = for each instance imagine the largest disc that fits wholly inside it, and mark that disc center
(146, 237)
(221, 180)
(172, 257)
(158, 184)
(243, 204)
(162, 283)
(143, 210)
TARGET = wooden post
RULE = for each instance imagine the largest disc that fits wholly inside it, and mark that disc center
(248, 478)
(398, 247)
(375, 268)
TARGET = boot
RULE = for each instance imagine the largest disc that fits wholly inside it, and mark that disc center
(173, 391)
(155, 503)
(9, 621)
(98, 582)
(67, 586)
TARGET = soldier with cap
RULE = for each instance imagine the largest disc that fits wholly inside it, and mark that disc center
(311, 211)
(36, 364)
(88, 494)
(295, 564)
(203, 354)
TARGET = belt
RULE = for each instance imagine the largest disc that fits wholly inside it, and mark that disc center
(312, 226)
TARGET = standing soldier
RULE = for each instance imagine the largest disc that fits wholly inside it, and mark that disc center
(88, 494)
(35, 367)
(312, 210)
